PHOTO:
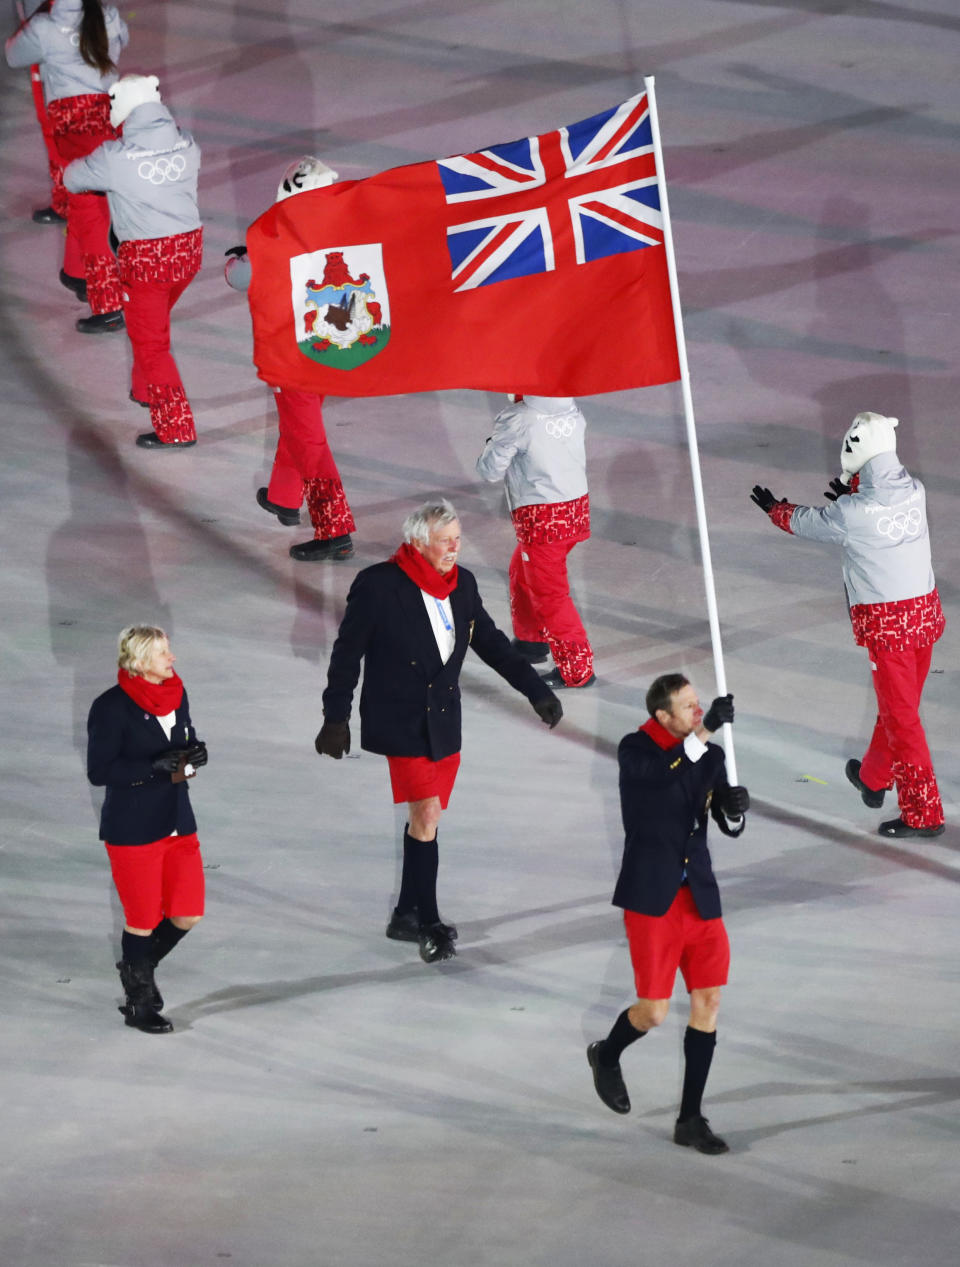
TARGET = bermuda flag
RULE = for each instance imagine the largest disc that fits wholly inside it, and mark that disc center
(535, 266)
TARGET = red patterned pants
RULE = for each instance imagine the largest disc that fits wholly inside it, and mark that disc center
(73, 260)
(898, 751)
(543, 610)
(80, 124)
(304, 465)
(155, 273)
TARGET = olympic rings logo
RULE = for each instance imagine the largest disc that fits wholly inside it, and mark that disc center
(902, 524)
(163, 170)
(560, 430)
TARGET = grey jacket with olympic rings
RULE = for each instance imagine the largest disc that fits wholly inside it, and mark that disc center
(882, 529)
(52, 40)
(537, 448)
(149, 176)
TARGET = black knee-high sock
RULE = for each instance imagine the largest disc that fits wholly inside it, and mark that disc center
(134, 947)
(619, 1038)
(698, 1051)
(164, 937)
(407, 898)
(425, 858)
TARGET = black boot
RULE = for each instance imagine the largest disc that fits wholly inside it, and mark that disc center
(100, 323)
(47, 215)
(140, 988)
(77, 284)
(288, 515)
(333, 549)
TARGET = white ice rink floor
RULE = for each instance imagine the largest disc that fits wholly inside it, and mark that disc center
(327, 1100)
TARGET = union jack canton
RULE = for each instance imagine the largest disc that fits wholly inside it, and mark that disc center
(576, 195)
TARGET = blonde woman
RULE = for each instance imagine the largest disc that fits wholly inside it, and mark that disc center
(142, 748)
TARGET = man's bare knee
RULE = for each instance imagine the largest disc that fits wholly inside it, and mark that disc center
(648, 1013)
(185, 922)
(423, 818)
(704, 1008)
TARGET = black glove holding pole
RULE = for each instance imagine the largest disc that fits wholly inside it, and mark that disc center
(720, 713)
(734, 801)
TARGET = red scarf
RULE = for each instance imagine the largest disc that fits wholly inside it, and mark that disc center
(660, 736)
(424, 574)
(158, 698)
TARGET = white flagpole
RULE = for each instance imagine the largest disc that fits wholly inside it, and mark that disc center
(708, 582)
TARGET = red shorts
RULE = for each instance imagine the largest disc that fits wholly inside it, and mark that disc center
(418, 778)
(162, 878)
(682, 938)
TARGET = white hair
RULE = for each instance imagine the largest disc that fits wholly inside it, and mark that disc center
(420, 523)
(135, 645)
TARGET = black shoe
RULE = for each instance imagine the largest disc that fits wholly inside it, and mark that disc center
(334, 549)
(286, 514)
(554, 679)
(405, 927)
(140, 988)
(869, 796)
(150, 440)
(100, 323)
(534, 652)
(897, 827)
(77, 284)
(144, 404)
(695, 1133)
(608, 1081)
(155, 1000)
(47, 215)
(436, 942)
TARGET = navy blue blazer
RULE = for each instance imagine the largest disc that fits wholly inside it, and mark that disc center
(122, 740)
(410, 700)
(665, 798)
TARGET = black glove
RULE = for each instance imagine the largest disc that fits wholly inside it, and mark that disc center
(238, 251)
(197, 755)
(839, 489)
(549, 710)
(719, 713)
(763, 498)
(734, 801)
(333, 739)
(168, 762)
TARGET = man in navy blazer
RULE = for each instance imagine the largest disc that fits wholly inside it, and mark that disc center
(410, 621)
(671, 779)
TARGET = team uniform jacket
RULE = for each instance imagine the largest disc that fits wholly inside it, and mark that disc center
(540, 457)
(665, 799)
(410, 700)
(122, 739)
(887, 572)
(50, 40)
(149, 176)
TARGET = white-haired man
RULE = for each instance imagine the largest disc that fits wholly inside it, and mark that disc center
(878, 516)
(410, 620)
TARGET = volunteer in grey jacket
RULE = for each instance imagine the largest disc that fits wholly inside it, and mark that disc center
(150, 178)
(76, 45)
(537, 448)
(879, 519)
